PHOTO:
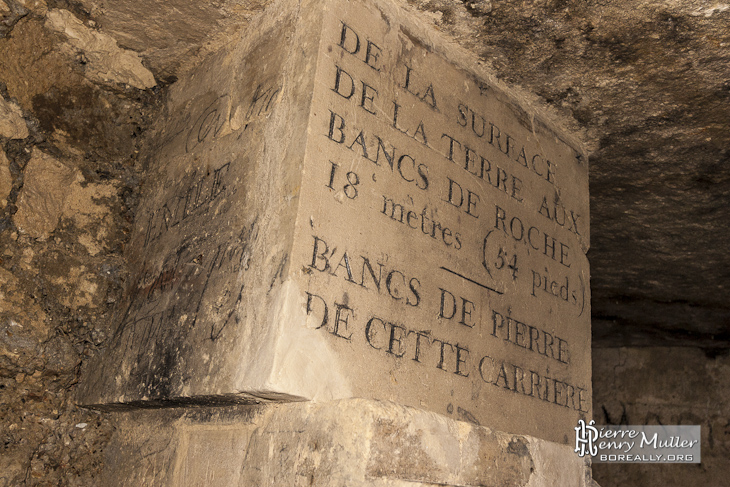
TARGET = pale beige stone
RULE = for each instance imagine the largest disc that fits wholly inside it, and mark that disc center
(46, 185)
(87, 205)
(84, 202)
(6, 179)
(92, 245)
(106, 61)
(12, 124)
(341, 206)
(39, 7)
(80, 288)
(343, 443)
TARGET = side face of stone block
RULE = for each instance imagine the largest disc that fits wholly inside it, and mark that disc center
(215, 223)
(341, 206)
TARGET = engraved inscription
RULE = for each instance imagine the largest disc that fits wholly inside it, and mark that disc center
(487, 281)
(348, 210)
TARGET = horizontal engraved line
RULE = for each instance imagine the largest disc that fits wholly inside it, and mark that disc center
(472, 280)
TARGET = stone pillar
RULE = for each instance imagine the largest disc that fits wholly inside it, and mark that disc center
(342, 208)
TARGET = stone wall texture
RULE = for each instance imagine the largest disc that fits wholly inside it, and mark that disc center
(68, 180)
(664, 385)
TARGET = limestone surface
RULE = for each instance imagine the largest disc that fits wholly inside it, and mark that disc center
(364, 215)
(12, 124)
(41, 200)
(56, 294)
(350, 442)
(106, 61)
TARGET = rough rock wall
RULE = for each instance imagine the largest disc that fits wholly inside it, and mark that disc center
(72, 108)
(664, 385)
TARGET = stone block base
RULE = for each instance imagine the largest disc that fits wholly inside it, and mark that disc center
(343, 443)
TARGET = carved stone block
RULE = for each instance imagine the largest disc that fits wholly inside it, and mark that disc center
(342, 204)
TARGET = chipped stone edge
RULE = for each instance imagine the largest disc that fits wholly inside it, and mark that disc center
(107, 61)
